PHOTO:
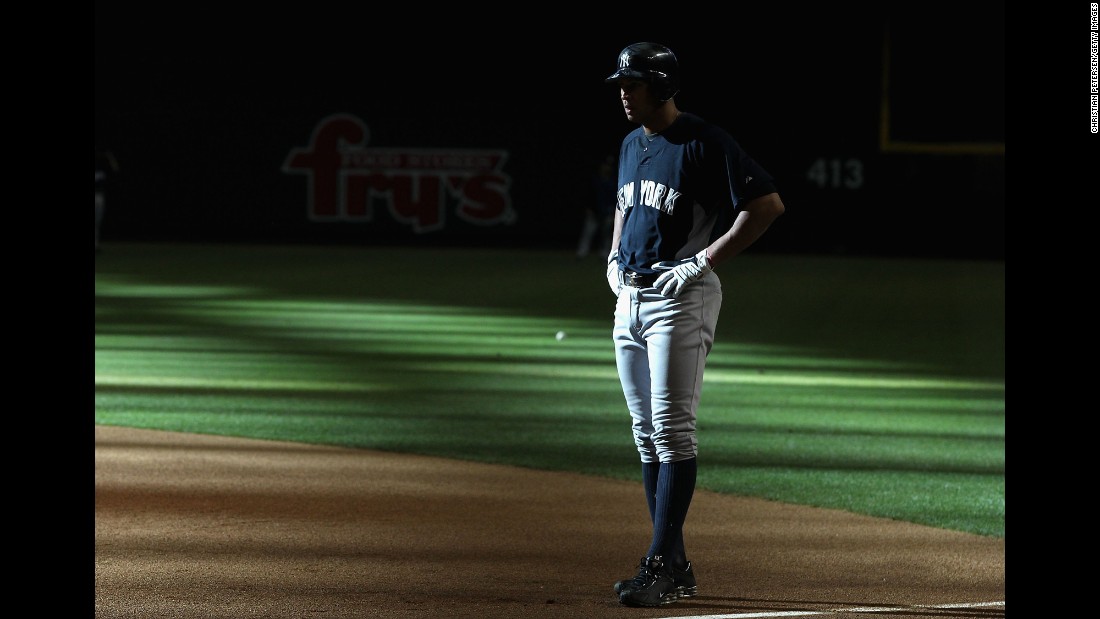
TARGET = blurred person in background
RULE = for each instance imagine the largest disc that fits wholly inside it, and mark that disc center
(106, 166)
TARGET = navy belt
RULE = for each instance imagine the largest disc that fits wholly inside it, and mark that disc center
(638, 280)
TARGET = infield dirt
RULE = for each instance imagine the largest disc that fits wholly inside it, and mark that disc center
(196, 526)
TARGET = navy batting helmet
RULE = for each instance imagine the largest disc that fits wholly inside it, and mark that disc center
(653, 63)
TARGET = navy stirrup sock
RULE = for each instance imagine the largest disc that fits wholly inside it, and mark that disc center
(675, 488)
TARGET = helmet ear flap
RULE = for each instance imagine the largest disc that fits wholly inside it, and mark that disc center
(664, 89)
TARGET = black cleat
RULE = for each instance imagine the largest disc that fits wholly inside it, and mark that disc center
(653, 586)
(684, 579)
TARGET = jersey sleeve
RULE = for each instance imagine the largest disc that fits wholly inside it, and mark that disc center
(739, 180)
(749, 180)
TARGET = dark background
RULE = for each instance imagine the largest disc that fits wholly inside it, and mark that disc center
(201, 106)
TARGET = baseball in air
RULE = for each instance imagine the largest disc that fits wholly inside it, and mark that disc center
(560, 336)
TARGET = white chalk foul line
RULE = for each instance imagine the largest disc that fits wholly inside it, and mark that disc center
(833, 611)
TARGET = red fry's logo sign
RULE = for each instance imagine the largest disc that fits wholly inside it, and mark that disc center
(346, 179)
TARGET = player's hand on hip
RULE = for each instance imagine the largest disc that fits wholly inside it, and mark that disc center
(673, 281)
(613, 279)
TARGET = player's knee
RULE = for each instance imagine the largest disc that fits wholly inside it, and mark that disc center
(676, 446)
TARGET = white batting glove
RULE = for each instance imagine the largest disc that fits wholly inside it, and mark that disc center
(672, 282)
(613, 272)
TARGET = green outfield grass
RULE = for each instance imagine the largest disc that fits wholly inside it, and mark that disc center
(870, 385)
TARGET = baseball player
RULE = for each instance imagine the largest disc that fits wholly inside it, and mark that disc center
(105, 167)
(689, 199)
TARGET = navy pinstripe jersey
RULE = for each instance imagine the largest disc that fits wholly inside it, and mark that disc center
(681, 190)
